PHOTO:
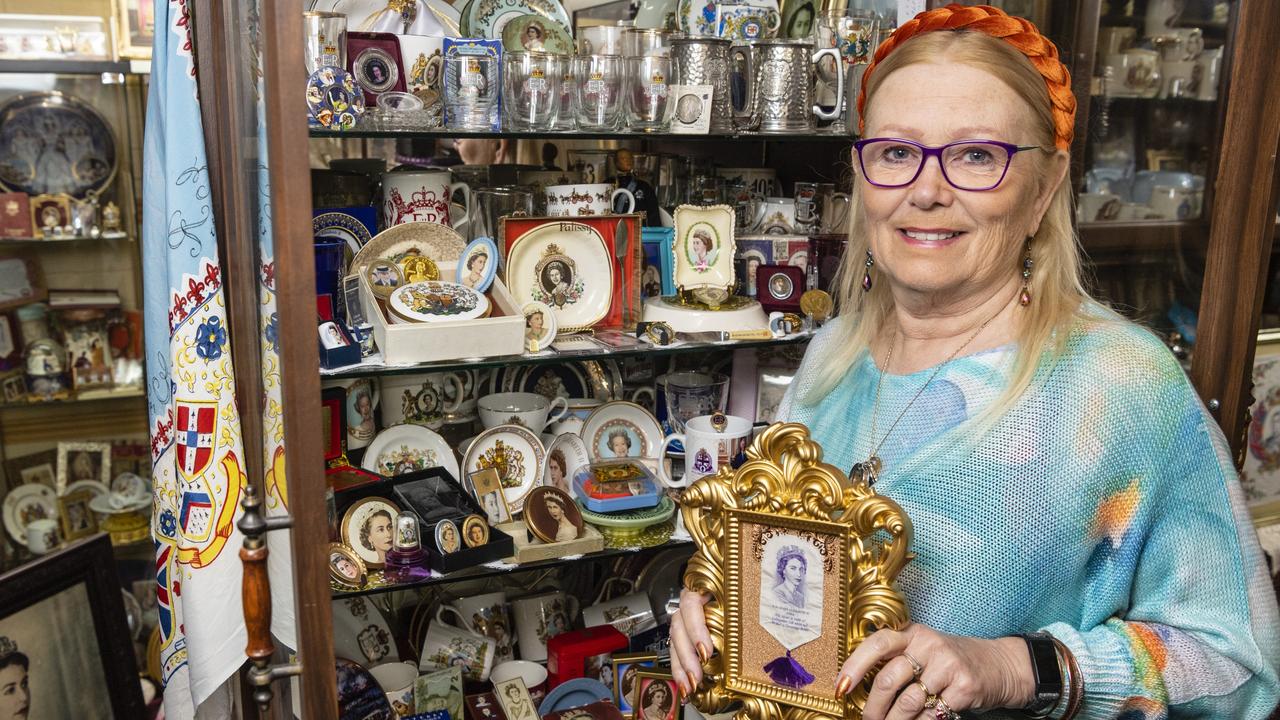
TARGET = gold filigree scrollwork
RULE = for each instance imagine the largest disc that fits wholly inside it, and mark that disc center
(784, 477)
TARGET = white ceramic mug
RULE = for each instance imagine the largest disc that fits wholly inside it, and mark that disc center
(420, 399)
(541, 617)
(487, 615)
(630, 614)
(396, 680)
(361, 408)
(533, 675)
(1097, 207)
(1134, 73)
(420, 195)
(1115, 40)
(42, 536)
(529, 410)
(705, 449)
(583, 199)
(1172, 203)
(1180, 79)
(446, 645)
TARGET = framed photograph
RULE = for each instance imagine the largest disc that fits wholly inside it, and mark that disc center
(41, 468)
(787, 602)
(51, 213)
(514, 698)
(76, 518)
(771, 386)
(345, 566)
(475, 531)
(625, 667)
(83, 461)
(483, 706)
(13, 386)
(703, 250)
(65, 637)
(1260, 475)
(368, 528)
(486, 484)
(135, 28)
(20, 282)
(655, 696)
(89, 354)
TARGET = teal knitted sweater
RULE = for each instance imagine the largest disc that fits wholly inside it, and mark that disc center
(1103, 508)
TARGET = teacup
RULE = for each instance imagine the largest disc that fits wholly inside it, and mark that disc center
(421, 399)
(396, 680)
(541, 617)
(584, 199)
(446, 645)
(706, 448)
(529, 410)
(533, 675)
(630, 614)
(42, 536)
(487, 615)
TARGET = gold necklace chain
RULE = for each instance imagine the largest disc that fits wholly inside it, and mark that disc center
(869, 469)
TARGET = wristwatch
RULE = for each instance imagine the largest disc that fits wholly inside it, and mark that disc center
(1047, 673)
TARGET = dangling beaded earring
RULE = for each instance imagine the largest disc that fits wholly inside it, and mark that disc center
(1025, 298)
(866, 277)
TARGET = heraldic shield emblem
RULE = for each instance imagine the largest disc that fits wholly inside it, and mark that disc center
(197, 423)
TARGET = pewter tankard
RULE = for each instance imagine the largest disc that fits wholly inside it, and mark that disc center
(780, 78)
(705, 61)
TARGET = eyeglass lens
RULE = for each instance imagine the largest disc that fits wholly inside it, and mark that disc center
(968, 165)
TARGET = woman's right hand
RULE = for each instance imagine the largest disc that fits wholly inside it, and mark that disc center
(690, 642)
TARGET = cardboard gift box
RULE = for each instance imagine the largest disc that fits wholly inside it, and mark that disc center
(567, 653)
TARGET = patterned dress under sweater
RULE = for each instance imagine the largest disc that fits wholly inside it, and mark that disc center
(1103, 508)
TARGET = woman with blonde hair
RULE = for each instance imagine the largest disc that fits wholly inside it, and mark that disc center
(1081, 544)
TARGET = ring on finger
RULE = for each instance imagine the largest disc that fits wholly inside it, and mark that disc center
(928, 695)
(942, 711)
(916, 667)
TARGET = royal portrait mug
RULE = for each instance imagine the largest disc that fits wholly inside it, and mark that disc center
(541, 617)
(706, 448)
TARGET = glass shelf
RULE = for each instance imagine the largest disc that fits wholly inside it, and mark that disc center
(822, 137)
(65, 67)
(85, 396)
(502, 568)
(61, 240)
(366, 370)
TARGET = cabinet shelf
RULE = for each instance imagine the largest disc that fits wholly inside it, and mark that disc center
(502, 568)
(65, 67)
(813, 136)
(62, 241)
(1143, 236)
(87, 396)
(368, 370)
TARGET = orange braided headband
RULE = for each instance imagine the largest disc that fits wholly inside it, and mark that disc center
(1019, 33)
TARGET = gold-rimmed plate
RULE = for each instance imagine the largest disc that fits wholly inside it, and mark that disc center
(438, 242)
(566, 265)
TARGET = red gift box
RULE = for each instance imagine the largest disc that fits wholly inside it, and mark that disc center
(567, 653)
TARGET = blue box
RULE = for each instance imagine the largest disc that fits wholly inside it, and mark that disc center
(616, 485)
(658, 251)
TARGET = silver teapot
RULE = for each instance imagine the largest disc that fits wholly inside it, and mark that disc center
(780, 85)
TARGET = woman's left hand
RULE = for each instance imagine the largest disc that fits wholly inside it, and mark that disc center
(966, 673)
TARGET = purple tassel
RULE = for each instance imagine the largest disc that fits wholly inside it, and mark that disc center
(787, 672)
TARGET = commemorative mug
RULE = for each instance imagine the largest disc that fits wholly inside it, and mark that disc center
(396, 680)
(1134, 73)
(1179, 44)
(416, 194)
(1161, 16)
(361, 407)
(488, 615)
(707, 448)
(1097, 207)
(42, 536)
(326, 40)
(1180, 79)
(464, 405)
(528, 410)
(705, 61)
(533, 675)
(537, 181)
(593, 199)
(1115, 40)
(421, 399)
(747, 23)
(446, 645)
(779, 85)
(630, 614)
(541, 617)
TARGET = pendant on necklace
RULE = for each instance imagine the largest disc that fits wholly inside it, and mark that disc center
(867, 471)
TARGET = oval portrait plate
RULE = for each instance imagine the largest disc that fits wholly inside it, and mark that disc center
(567, 266)
(51, 142)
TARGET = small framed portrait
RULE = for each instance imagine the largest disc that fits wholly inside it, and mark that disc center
(618, 439)
(475, 531)
(625, 667)
(384, 277)
(368, 528)
(13, 386)
(655, 696)
(51, 213)
(89, 354)
(41, 467)
(332, 337)
(779, 287)
(65, 639)
(514, 698)
(483, 706)
(345, 566)
(704, 247)
(83, 461)
(362, 407)
(479, 264)
(539, 326)
(552, 515)
(487, 487)
(75, 516)
(136, 23)
(447, 537)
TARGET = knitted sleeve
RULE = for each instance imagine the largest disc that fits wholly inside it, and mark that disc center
(1179, 617)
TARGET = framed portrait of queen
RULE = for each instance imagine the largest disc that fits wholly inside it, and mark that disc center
(703, 249)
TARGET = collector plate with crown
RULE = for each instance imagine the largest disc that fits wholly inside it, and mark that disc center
(518, 455)
(566, 265)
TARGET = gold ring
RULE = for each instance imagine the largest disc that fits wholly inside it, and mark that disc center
(945, 711)
(927, 693)
(916, 667)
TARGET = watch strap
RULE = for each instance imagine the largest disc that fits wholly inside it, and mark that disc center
(1047, 672)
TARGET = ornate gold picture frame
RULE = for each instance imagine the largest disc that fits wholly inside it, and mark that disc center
(800, 565)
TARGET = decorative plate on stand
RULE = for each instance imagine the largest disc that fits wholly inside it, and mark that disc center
(333, 99)
(621, 429)
(51, 142)
(26, 503)
(566, 265)
(407, 448)
(518, 455)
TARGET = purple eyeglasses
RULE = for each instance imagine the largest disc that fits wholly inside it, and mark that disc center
(974, 165)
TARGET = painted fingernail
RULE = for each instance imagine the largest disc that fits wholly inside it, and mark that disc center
(693, 682)
(703, 653)
(842, 687)
(684, 691)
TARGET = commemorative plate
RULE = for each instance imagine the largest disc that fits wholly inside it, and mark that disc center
(488, 18)
(565, 455)
(621, 429)
(518, 455)
(407, 448)
(26, 503)
(566, 265)
(51, 142)
(534, 33)
(333, 98)
(437, 301)
(341, 226)
(433, 240)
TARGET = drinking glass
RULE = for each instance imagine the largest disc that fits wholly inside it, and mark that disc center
(495, 203)
(471, 91)
(566, 111)
(531, 89)
(690, 394)
(646, 42)
(648, 80)
(599, 81)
